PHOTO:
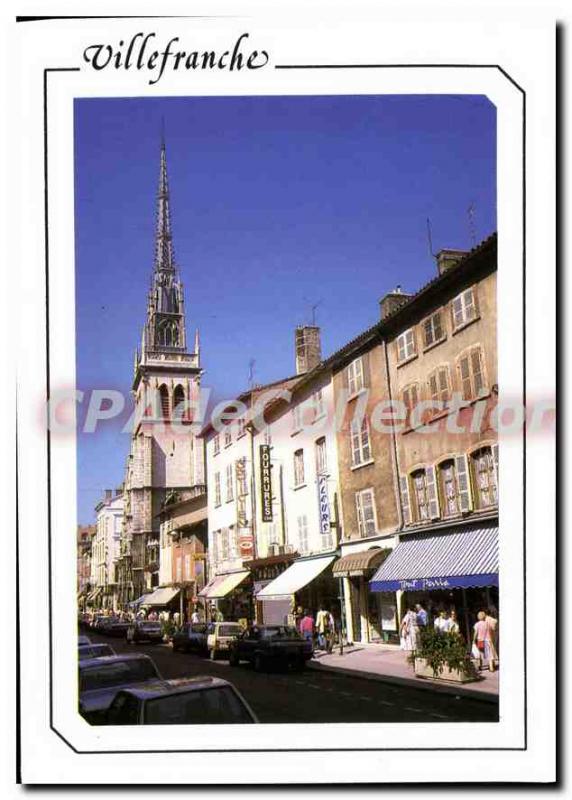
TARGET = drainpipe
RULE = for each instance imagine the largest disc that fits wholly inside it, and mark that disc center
(253, 492)
(396, 474)
(395, 457)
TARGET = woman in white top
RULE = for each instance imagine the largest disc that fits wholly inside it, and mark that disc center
(409, 630)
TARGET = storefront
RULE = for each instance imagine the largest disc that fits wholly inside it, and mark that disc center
(308, 583)
(369, 616)
(449, 569)
(230, 594)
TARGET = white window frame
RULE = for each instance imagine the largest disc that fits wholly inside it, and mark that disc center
(360, 442)
(430, 320)
(356, 378)
(321, 446)
(228, 436)
(362, 521)
(229, 483)
(296, 418)
(299, 469)
(216, 444)
(217, 486)
(464, 308)
(406, 345)
(318, 400)
(303, 544)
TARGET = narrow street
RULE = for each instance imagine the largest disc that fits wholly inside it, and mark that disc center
(313, 696)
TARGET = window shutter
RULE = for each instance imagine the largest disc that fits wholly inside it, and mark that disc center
(432, 493)
(463, 482)
(495, 450)
(358, 513)
(405, 504)
(433, 391)
(365, 368)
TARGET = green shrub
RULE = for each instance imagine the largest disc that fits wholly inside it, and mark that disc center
(442, 650)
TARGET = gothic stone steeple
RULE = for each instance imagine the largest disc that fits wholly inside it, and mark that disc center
(165, 325)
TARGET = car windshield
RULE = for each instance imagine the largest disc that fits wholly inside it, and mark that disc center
(198, 707)
(95, 650)
(116, 673)
(229, 630)
(280, 632)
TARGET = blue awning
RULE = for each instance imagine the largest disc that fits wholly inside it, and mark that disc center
(453, 559)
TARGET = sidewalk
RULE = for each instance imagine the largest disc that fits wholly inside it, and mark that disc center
(387, 663)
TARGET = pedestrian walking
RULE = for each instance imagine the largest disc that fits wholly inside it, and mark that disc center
(421, 616)
(492, 622)
(441, 623)
(409, 630)
(322, 625)
(306, 626)
(195, 617)
(453, 622)
(482, 641)
(330, 632)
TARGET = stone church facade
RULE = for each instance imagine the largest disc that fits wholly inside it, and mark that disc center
(165, 456)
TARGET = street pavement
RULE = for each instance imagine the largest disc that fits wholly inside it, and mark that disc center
(313, 696)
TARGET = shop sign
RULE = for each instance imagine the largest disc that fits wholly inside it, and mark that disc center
(324, 503)
(266, 483)
(245, 543)
(424, 583)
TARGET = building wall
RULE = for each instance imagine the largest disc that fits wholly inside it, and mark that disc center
(426, 446)
(291, 501)
(223, 516)
(378, 472)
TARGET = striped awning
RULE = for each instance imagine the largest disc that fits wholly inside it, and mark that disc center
(359, 563)
(451, 559)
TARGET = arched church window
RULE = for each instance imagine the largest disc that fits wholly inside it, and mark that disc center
(179, 402)
(164, 395)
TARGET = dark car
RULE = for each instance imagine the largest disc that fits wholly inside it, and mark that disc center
(191, 701)
(263, 645)
(100, 622)
(191, 637)
(145, 630)
(86, 651)
(101, 678)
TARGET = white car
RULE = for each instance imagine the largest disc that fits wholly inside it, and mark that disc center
(220, 635)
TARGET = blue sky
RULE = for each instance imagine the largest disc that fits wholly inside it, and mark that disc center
(277, 203)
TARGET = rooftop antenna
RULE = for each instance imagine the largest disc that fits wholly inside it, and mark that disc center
(314, 307)
(430, 239)
(471, 218)
(162, 131)
(251, 364)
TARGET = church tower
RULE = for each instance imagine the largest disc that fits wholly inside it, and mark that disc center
(166, 457)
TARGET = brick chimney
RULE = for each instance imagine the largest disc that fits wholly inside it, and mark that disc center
(108, 494)
(391, 301)
(308, 348)
(448, 257)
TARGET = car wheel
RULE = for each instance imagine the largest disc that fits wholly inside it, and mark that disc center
(213, 654)
(233, 660)
(258, 662)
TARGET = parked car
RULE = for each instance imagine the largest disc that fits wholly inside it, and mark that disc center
(83, 640)
(191, 637)
(190, 701)
(86, 651)
(117, 628)
(145, 630)
(100, 622)
(101, 678)
(220, 635)
(263, 645)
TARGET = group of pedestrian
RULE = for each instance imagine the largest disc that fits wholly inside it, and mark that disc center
(485, 637)
(321, 630)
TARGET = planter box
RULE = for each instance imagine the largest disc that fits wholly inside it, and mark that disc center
(423, 670)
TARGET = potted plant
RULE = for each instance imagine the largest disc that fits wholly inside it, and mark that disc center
(442, 656)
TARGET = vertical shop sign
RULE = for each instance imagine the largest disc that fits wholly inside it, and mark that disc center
(324, 503)
(266, 483)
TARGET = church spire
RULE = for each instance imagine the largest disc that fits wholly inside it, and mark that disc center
(165, 326)
(164, 256)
